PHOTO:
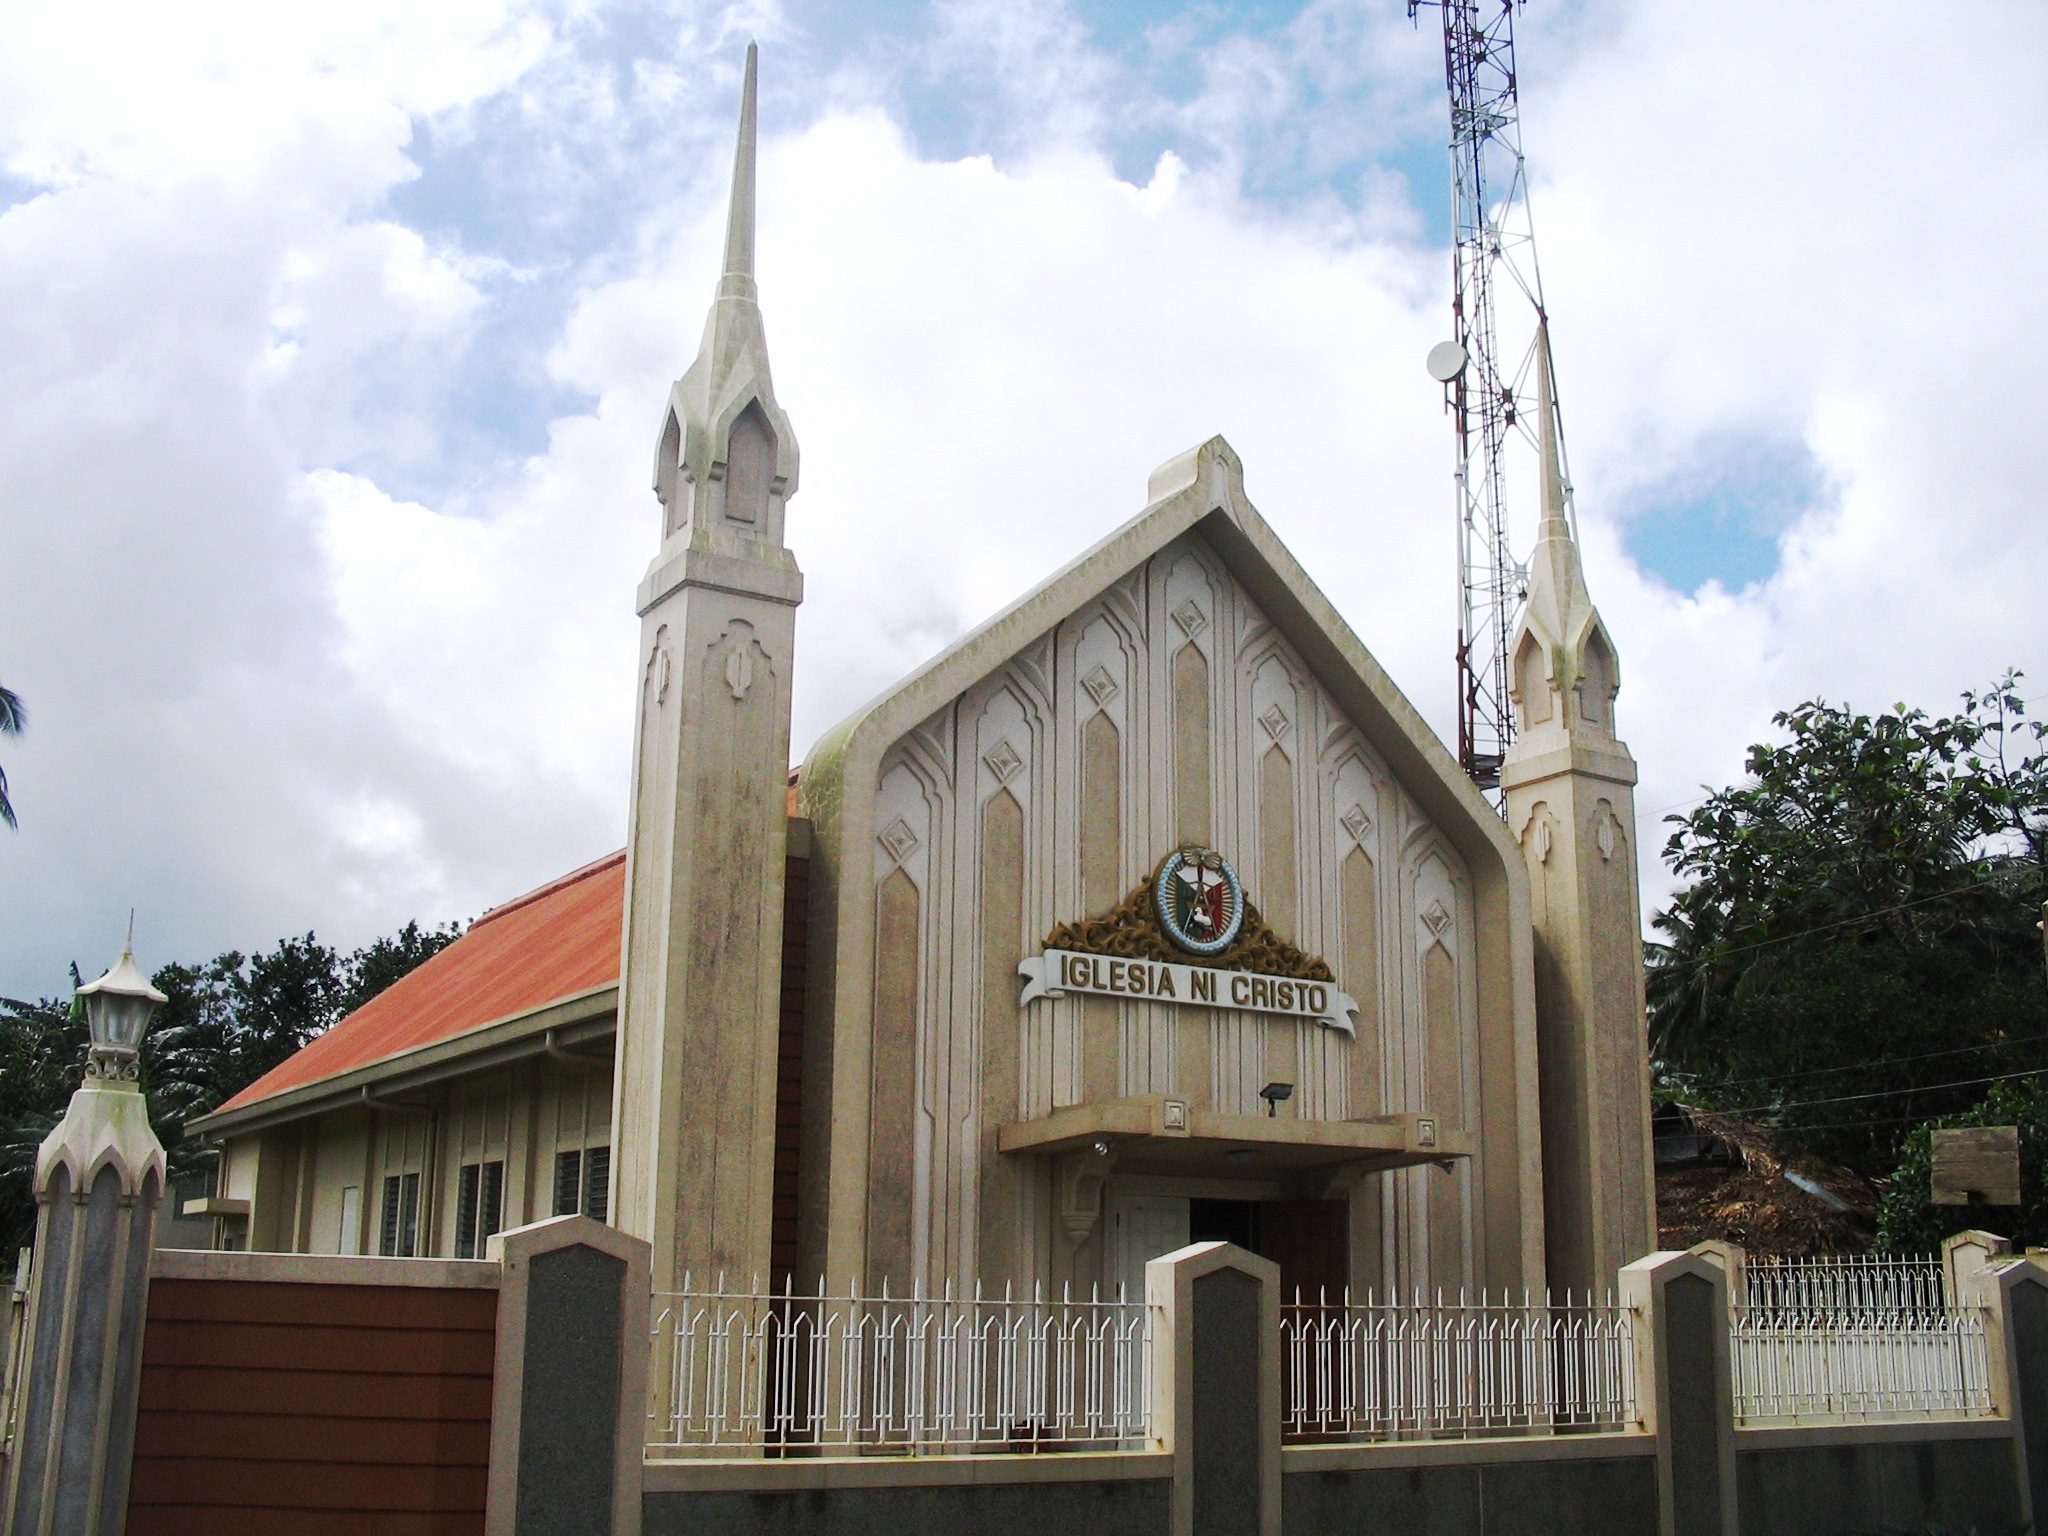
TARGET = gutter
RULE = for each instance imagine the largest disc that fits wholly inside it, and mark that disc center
(555, 1027)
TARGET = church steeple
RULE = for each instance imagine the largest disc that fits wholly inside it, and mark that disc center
(1565, 669)
(1571, 805)
(727, 460)
(700, 993)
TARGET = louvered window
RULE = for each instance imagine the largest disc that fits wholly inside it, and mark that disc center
(398, 1231)
(479, 1206)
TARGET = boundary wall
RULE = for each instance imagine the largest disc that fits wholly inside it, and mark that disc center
(508, 1396)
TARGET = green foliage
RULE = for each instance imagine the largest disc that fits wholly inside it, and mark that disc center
(1908, 1221)
(12, 718)
(42, 1056)
(1869, 893)
(225, 1023)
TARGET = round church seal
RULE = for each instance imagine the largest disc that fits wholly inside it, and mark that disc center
(1199, 900)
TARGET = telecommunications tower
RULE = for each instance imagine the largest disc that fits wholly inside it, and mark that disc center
(1493, 249)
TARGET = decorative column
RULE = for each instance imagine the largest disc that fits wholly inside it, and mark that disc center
(99, 1180)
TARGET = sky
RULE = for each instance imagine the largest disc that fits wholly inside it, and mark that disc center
(333, 343)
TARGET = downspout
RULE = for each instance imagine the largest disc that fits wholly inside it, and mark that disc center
(564, 1054)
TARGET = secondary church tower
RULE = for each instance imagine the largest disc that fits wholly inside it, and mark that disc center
(1570, 785)
(696, 1053)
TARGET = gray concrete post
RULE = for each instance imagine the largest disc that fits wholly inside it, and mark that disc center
(1216, 1387)
(569, 1396)
(1683, 1387)
(99, 1180)
(2015, 1296)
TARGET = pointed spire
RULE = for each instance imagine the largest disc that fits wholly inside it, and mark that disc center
(1555, 523)
(725, 401)
(1559, 614)
(737, 280)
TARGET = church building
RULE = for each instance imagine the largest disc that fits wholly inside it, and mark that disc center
(1149, 911)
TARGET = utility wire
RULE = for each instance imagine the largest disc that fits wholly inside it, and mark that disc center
(1889, 1093)
(1866, 1066)
(1855, 1125)
(1843, 922)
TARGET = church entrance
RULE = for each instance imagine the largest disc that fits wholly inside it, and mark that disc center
(1308, 1239)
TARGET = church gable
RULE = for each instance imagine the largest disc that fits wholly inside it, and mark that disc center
(1023, 815)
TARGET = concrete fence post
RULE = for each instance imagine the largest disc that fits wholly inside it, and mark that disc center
(2014, 1294)
(569, 1398)
(1216, 1387)
(1733, 1261)
(1684, 1388)
(1964, 1259)
(99, 1179)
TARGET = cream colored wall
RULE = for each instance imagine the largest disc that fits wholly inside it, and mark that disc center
(296, 1173)
(1083, 735)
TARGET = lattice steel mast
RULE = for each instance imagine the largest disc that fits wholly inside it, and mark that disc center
(1491, 243)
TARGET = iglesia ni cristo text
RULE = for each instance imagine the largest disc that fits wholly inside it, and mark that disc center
(1150, 911)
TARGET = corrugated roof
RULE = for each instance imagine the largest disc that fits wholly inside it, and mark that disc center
(550, 943)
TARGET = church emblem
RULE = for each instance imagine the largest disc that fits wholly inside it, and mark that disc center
(1192, 907)
(1199, 900)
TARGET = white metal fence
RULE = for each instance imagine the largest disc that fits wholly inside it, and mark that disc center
(1375, 1370)
(1814, 1367)
(922, 1373)
(1873, 1284)
(1817, 1341)
(1854, 1337)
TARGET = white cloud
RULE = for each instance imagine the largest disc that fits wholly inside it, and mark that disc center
(269, 691)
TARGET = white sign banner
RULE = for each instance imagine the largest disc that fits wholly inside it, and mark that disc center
(1057, 972)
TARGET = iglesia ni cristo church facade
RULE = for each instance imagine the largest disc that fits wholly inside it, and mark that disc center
(1149, 911)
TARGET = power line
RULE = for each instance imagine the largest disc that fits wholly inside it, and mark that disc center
(1889, 1093)
(1854, 1125)
(1866, 1066)
(1807, 933)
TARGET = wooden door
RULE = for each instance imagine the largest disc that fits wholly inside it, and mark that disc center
(1310, 1240)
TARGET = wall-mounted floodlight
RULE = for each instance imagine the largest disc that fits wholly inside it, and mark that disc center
(1273, 1093)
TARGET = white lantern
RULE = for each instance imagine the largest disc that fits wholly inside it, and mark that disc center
(118, 1006)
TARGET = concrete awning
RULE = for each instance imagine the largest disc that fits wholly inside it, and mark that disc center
(1158, 1133)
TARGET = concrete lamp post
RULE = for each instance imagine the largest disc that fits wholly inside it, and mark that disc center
(99, 1179)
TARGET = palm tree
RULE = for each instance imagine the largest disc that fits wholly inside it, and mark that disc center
(12, 718)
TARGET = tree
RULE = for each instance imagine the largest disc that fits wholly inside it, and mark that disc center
(223, 1025)
(1856, 947)
(12, 718)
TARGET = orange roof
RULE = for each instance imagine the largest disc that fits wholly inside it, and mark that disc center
(549, 943)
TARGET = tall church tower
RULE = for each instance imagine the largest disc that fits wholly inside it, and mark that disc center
(694, 1123)
(1571, 804)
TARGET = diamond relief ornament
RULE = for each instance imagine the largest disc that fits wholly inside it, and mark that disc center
(1100, 685)
(1436, 918)
(1275, 721)
(898, 840)
(1356, 822)
(1003, 761)
(1190, 618)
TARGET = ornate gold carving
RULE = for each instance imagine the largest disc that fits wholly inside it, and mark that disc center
(1130, 931)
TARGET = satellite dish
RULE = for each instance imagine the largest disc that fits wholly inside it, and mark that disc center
(1446, 361)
